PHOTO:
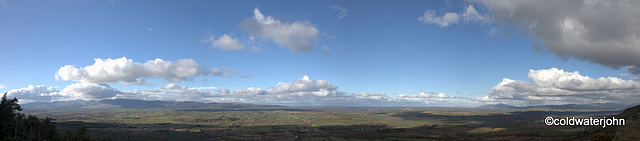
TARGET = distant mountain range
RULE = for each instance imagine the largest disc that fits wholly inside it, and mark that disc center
(496, 106)
(138, 104)
(566, 106)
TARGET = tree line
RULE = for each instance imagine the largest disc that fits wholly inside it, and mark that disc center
(15, 126)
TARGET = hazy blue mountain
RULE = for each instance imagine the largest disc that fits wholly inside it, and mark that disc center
(496, 106)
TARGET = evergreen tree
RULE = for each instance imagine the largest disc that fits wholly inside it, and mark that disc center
(8, 116)
(15, 127)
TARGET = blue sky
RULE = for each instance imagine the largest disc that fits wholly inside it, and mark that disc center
(374, 48)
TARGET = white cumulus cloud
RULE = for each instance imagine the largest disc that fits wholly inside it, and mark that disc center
(556, 86)
(225, 42)
(128, 72)
(41, 93)
(374, 96)
(31, 93)
(89, 91)
(470, 15)
(248, 91)
(430, 17)
(297, 36)
(305, 86)
(174, 86)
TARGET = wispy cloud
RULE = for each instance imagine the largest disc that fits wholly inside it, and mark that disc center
(342, 11)
(224, 72)
(247, 76)
(326, 50)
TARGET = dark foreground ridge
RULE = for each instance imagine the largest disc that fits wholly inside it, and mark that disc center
(631, 130)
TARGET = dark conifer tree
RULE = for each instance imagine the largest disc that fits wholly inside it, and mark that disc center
(14, 126)
(8, 116)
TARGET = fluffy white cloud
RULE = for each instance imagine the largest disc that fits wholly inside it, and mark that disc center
(225, 42)
(420, 95)
(174, 86)
(343, 11)
(89, 91)
(555, 86)
(470, 15)
(305, 86)
(576, 82)
(248, 91)
(600, 31)
(297, 36)
(128, 72)
(430, 17)
(39, 93)
(374, 96)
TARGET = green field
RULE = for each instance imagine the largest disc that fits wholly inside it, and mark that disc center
(323, 124)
